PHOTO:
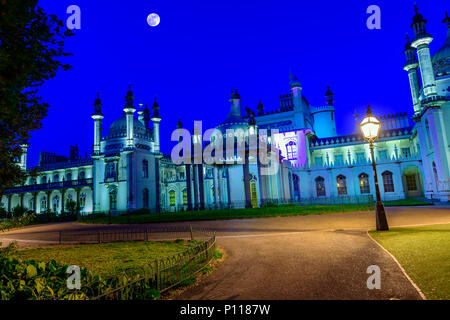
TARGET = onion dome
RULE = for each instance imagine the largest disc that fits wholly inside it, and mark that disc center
(441, 59)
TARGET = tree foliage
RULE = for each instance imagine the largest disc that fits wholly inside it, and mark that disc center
(31, 52)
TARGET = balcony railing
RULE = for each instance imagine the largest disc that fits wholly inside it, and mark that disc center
(50, 186)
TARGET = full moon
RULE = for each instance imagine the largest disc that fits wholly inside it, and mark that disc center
(153, 19)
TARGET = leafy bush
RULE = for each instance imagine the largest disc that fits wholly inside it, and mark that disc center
(25, 220)
(33, 280)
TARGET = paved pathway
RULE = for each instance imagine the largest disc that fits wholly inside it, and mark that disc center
(303, 257)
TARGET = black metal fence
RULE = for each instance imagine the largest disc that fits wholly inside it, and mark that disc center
(117, 234)
(157, 275)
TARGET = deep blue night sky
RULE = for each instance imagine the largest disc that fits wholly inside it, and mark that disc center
(202, 49)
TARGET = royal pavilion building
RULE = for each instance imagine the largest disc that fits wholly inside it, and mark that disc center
(126, 170)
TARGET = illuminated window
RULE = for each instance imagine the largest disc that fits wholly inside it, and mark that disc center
(185, 199)
(364, 183)
(43, 203)
(341, 185)
(55, 203)
(406, 153)
(172, 198)
(388, 182)
(291, 149)
(82, 200)
(411, 184)
(113, 199)
(320, 186)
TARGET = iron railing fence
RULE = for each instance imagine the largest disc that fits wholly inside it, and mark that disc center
(119, 234)
(157, 275)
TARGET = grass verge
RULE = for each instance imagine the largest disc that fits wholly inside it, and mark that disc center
(278, 211)
(424, 252)
(407, 202)
(107, 259)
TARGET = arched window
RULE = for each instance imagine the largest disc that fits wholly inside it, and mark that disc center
(43, 203)
(69, 176)
(110, 171)
(82, 200)
(320, 186)
(388, 182)
(291, 149)
(55, 203)
(185, 199)
(145, 169)
(364, 183)
(172, 197)
(31, 204)
(81, 175)
(436, 177)
(427, 128)
(33, 181)
(113, 199)
(341, 185)
(145, 198)
(44, 180)
(56, 178)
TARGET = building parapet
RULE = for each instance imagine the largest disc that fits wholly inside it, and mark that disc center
(51, 186)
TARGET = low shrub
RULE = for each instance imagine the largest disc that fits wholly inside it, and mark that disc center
(34, 280)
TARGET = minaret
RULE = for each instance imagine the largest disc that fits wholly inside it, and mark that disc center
(129, 110)
(98, 117)
(329, 97)
(156, 119)
(235, 110)
(146, 118)
(23, 156)
(420, 42)
(260, 108)
(141, 113)
(297, 100)
(411, 66)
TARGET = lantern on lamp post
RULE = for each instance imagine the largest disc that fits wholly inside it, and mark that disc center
(370, 128)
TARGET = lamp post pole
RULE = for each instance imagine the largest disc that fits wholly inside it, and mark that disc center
(382, 224)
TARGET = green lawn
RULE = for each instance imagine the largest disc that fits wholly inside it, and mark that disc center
(424, 252)
(107, 258)
(278, 211)
(407, 202)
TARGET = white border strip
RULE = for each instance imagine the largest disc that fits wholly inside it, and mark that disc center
(400, 266)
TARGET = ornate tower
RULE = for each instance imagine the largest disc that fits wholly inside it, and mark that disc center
(420, 42)
(156, 119)
(129, 110)
(411, 67)
(98, 117)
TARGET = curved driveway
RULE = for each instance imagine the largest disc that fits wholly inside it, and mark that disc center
(302, 257)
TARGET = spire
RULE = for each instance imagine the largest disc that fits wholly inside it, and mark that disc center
(418, 24)
(97, 105)
(146, 117)
(155, 109)
(446, 20)
(329, 97)
(179, 124)
(410, 54)
(129, 98)
(260, 108)
(235, 95)
(294, 82)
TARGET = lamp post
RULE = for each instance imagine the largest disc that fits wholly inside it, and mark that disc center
(370, 127)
